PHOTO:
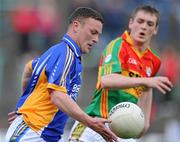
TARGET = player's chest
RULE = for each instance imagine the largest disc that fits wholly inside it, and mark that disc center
(138, 66)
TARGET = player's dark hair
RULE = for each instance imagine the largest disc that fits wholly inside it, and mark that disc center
(147, 8)
(85, 12)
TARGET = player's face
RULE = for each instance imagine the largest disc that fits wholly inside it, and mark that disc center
(143, 27)
(88, 34)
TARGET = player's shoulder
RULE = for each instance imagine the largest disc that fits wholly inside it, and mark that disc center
(116, 40)
(61, 48)
(115, 43)
(56, 52)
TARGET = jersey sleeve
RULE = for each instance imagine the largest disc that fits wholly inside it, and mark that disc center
(156, 62)
(157, 65)
(110, 60)
(57, 70)
(34, 62)
(31, 64)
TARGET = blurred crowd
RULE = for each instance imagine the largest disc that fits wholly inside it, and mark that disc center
(29, 27)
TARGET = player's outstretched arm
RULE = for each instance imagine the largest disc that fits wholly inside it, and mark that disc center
(116, 80)
(70, 107)
(11, 116)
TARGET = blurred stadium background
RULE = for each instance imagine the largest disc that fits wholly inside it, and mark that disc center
(29, 27)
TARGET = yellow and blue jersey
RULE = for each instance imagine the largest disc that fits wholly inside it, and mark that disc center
(59, 68)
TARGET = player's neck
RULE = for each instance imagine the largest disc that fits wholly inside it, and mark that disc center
(141, 47)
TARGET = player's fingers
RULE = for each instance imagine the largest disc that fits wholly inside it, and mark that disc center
(11, 119)
(110, 139)
(104, 135)
(112, 135)
(170, 83)
(160, 89)
(11, 113)
(12, 116)
(165, 87)
(10, 122)
(108, 135)
(106, 120)
(167, 82)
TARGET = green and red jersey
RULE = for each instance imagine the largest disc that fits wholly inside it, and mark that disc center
(120, 56)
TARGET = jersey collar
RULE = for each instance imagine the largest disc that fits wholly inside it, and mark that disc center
(72, 44)
(127, 37)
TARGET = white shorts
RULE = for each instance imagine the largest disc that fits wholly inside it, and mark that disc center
(20, 132)
(81, 133)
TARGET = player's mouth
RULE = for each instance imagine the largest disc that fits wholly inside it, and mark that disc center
(90, 45)
(142, 34)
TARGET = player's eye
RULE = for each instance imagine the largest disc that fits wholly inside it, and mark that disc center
(140, 21)
(94, 32)
(150, 24)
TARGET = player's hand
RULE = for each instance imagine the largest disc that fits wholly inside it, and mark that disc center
(98, 125)
(163, 84)
(11, 116)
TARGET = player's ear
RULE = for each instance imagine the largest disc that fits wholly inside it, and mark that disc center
(76, 26)
(156, 30)
(130, 23)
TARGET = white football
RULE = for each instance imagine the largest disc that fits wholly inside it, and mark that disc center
(127, 120)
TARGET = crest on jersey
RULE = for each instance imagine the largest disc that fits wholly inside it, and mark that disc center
(148, 71)
(132, 61)
(108, 58)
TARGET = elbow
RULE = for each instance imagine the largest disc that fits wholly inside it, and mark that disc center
(146, 127)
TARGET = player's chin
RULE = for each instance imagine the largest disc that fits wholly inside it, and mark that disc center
(141, 40)
(86, 51)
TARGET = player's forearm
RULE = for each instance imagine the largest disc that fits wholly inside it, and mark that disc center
(67, 105)
(145, 102)
(25, 81)
(119, 81)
